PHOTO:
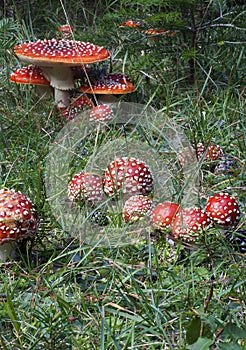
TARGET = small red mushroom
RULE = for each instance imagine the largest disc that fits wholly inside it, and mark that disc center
(136, 207)
(85, 186)
(130, 175)
(66, 31)
(130, 23)
(77, 105)
(18, 219)
(163, 214)
(189, 222)
(223, 209)
(212, 152)
(101, 113)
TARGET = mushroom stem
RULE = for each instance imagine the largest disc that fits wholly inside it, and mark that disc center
(7, 251)
(62, 98)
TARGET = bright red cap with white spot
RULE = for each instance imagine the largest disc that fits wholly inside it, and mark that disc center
(18, 218)
(136, 207)
(29, 75)
(101, 113)
(130, 175)
(189, 223)
(113, 83)
(212, 152)
(61, 52)
(77, 105)
(130, 23)
(223, 209)
(85, 186)
(163, 214)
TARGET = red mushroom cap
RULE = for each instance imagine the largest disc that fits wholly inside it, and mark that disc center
(65, 30)
(18, 218)
(130, 23)
(212, 152)
(63, 52)
(164, 213)
(136, 207)
(77, 106)
(129, 175)
(223, 209)
(113, 83)
(29, 75)
(85, 186)
(189, 222)
(101, 113)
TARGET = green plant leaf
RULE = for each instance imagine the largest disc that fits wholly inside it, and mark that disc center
(201, 344)
(193, 330)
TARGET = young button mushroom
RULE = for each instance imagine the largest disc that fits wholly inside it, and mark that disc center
(189, 223)
(18, 220)
(136, 207)
(85, 186)
(56, 57)
(212, 152)
(223, 209)
(163, 215)
(101, 113)
(129, 176)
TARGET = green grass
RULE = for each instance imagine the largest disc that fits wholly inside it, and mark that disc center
(63, 294)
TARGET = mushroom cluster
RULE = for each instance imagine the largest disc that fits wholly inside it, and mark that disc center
(62, 63)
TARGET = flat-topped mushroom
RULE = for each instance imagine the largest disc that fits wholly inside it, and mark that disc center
(56, 57)
(29, 75)
(112, 83)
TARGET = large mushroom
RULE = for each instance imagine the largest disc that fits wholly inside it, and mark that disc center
(18, 220)
(56, 57)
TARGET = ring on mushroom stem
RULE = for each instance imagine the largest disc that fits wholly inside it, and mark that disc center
(56, 57)
(18, 220)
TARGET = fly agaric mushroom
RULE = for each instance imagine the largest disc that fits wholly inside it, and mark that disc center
(112, 83)
(101, 113)
(223, 209)
(130, 23)
(18, 220)
(189, 222)
(29, 75)
(136, 207)
(77, 105)
(66, 31)
(163, 214)
(130, 176)
(212, 152)
(85, 186)
(56, 57)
